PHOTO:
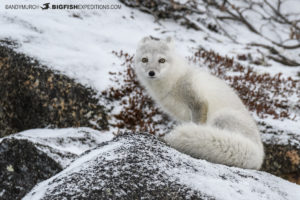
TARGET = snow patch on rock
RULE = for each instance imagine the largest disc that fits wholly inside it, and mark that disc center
(140, 166)
(66, 144)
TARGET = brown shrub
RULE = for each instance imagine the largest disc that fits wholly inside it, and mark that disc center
(263, 94)
(138, 112)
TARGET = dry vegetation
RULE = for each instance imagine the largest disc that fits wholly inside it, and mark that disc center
(138, 113)
(264, 94)
(261, 18)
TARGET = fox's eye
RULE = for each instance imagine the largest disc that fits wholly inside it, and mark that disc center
(144, 60)
(162, 60)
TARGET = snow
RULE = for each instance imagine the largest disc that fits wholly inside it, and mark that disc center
(81, 47)
(287, 125)
(291, 7)
(66, 144)
(214, 180)
(73, 168)
(45, 136)
(249, 186)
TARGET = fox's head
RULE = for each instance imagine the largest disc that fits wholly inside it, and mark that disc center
(153, 58)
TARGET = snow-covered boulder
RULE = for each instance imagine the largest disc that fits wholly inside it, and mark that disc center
(29, 157)
(63, 145)
(22, 166)
(282, 150)
(33, 96)
(138, 166)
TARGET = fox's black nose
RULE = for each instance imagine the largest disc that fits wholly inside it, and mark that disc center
(151, 73)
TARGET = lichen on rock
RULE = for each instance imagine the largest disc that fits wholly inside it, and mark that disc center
(139, 166)
(22, 166)
(33, 96)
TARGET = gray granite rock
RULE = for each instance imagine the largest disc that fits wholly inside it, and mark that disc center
(33, 96)
(22, 166)
(139, 166)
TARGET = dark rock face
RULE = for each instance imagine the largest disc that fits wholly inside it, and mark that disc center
(125, 177)
(22, 166)
(139, 166)
(282, 153)
(32, 96)
(283, 161)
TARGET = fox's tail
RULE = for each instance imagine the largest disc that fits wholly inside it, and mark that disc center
(216, 145)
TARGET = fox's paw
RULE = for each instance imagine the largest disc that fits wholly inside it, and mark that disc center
(181, 134)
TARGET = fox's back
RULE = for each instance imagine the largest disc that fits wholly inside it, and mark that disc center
(217, 92)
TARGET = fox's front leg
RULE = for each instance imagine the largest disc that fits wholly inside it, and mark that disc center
(198, 107)
(198, 111)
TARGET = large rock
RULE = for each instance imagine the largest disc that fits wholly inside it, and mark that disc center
(283, 161)
(33, 96)
(22, 166)
(282, 152)
(31, 156)
(139, 166)
(275, 96)
(63, 145)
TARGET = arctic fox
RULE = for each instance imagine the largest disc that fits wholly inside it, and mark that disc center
(215, 125)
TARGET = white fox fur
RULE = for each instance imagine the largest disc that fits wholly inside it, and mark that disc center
(215, 125)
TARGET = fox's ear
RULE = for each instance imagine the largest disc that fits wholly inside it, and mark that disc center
(170, 42)
(145, 39)
(169, 39)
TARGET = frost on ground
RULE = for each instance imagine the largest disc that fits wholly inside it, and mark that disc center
(263, 33)
(137, 166)
(63, 145)
(85, 45)
(268, 97)
(33, 96)
(29, 157)
(273, 100)
(79, 43)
